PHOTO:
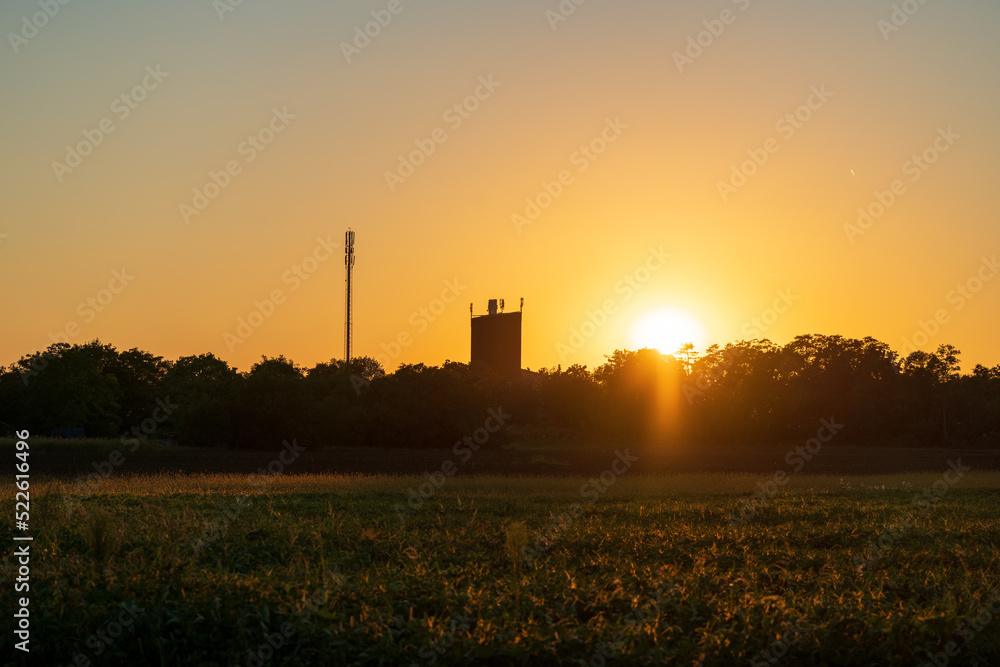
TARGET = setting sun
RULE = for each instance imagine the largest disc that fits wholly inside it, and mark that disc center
(588, 279)
(666, 329)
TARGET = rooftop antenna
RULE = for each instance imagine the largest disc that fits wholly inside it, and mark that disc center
(348, 315)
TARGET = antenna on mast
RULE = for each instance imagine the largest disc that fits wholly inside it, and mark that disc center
(348, 315)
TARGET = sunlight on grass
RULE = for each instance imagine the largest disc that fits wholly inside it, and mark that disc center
(519, 486)
(653, 568)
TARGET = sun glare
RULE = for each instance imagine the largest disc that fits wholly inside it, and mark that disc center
(666, 329)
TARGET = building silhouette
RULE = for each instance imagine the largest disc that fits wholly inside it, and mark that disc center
(496, 340)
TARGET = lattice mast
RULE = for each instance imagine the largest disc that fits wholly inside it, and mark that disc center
(348, 314)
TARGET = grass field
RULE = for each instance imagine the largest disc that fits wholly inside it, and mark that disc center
(695, 569)
(75, 458)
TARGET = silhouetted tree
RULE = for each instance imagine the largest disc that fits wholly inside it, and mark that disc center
(204, 390)
(71, 386)
(571, 398)
(746, 392)
(643, 394)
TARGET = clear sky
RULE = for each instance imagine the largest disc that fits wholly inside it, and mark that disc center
(654, 138)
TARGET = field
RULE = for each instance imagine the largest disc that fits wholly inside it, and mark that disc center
(618, 567)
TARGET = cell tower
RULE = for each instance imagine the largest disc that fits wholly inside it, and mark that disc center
(348, 316)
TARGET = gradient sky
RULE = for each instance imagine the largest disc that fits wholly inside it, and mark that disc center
(656, 185)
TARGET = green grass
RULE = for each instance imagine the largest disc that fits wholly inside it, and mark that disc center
(334, 573)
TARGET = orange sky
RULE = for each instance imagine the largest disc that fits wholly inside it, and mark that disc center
(615, 122)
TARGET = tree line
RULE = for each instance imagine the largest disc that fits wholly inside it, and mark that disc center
(748, 392)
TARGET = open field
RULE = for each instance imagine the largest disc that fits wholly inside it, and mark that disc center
(69, 458)
(620, 568)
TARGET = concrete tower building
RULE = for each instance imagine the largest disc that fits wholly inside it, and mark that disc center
(496, 340)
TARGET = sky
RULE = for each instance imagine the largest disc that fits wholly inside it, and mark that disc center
(178, 177)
